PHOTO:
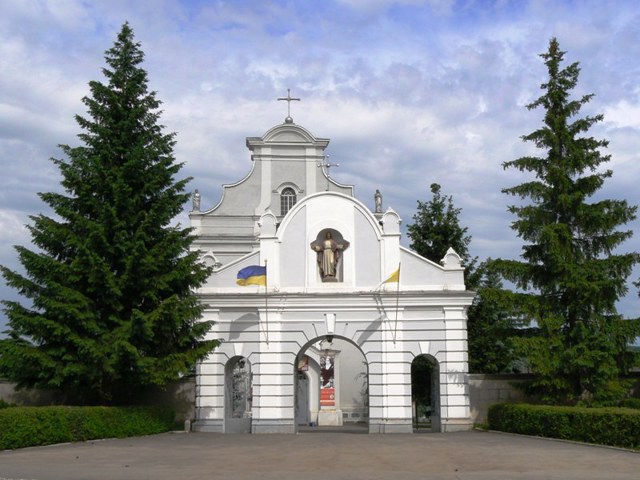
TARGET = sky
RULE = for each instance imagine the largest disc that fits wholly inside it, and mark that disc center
(410, 93)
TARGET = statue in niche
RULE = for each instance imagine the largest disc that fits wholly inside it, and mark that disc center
(378, 199)
(329, 253)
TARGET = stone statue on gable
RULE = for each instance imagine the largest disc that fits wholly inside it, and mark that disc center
(196, 201)
(378, 199)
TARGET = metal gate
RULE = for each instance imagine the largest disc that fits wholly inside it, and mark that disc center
(239, 396)
(302, 400)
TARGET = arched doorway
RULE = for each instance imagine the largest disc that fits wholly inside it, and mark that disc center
(238, 395)
(332, 388)
(425, 393)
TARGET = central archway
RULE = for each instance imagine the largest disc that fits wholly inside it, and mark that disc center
(332, 385)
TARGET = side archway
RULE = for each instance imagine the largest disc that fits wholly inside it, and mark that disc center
(425, 393)
(238, 395)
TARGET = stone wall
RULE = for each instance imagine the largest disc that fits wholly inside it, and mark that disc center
(180, 395)
(29, 398)
(485, 390)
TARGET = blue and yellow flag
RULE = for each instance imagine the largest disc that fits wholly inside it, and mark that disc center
(252, 275)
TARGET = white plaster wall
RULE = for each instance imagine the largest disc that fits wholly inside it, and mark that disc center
(367, 256)
(388, 362)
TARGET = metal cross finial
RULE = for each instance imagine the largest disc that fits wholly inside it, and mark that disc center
(289, 99)
(326, 165)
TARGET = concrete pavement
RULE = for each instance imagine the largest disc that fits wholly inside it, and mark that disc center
(321, 455)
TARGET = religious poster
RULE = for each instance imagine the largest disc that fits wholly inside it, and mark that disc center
(327, 386)
(328, 397)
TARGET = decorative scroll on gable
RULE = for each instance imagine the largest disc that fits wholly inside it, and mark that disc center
(451, 260)
(268, 224)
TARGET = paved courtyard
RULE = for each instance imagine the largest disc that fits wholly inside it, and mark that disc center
(321, 455)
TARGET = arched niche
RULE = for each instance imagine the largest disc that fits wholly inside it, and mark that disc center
(329, 247)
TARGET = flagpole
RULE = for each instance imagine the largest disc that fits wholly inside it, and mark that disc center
(266, 306)
(395, 328)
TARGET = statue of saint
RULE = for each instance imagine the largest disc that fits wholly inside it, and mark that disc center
(196, 201)
(378, 199)
(328, 255)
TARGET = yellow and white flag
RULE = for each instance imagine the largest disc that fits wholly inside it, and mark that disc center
(394, 277)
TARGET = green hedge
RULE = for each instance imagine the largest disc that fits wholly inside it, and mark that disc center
(618, 427)
(30, 426)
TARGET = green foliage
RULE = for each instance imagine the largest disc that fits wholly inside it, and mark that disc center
(111, 284)
(571, 274)
(437, 228)
(491, 327)
(618, 427)
(29, 426)
(4, 404)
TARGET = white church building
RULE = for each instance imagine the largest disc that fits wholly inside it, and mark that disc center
(324, 341)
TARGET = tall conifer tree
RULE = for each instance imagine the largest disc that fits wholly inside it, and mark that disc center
(111, 284)
(571, 271)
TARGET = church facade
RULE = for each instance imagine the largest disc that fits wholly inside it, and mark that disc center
(320, 310)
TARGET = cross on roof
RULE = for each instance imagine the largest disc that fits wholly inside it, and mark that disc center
(325, 165)
(289, 99)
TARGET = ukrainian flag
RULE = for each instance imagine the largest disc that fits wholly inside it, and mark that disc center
(252, 275)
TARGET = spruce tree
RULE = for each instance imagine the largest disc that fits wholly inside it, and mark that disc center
(571, 273)
(111, 283)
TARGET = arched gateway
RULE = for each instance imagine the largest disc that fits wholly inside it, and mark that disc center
(327, 257)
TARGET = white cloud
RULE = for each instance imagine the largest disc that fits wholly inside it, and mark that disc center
(623, 114)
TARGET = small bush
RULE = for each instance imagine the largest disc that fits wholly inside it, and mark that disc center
(4, 404)
(618, 427)
(29, 426)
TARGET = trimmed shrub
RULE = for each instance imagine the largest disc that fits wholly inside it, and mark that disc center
(29, 426)
(619, 427)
